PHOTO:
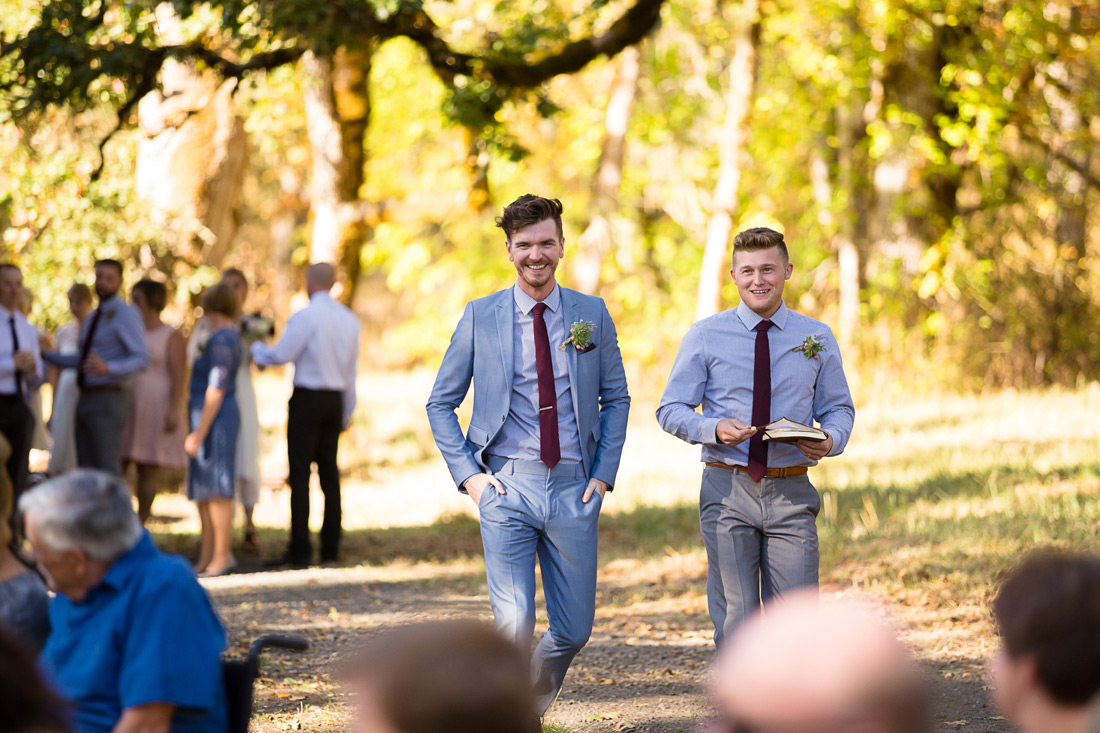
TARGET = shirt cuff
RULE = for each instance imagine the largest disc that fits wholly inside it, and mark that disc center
(707, 428)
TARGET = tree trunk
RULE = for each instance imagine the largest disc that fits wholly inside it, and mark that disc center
(598, 238)
(731, 146)
(191, 165)
(337, 102)
(1069, 321)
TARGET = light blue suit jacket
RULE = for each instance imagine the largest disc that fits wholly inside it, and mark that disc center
(481, 351)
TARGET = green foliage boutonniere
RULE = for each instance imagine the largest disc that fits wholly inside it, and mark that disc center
(580, 335)
(811, 347)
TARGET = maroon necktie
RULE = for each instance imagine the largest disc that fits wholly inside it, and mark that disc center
(86, 348)
(549, 449)
(14, 350)
(761, 402)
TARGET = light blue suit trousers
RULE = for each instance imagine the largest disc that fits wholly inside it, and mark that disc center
(541, 515)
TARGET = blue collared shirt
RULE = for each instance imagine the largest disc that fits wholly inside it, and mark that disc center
(519, 436)
(146, 633)
(119, 340)
(714, 369)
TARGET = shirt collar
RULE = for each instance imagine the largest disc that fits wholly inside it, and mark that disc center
(320, 295)
(751, 318)
(526, 303)
(122, 568)
(5, 314)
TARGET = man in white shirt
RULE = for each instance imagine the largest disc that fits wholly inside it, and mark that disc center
(323, 342)
(20, 371)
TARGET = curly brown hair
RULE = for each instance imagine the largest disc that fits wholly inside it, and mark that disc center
(529, 209)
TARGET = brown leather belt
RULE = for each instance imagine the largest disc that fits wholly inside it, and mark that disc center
(786, 472)
(101, 388)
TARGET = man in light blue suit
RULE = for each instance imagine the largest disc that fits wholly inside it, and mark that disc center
(544, 441)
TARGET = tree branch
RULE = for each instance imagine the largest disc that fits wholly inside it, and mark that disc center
(629, 29)
(1057, 149)
(230, 69)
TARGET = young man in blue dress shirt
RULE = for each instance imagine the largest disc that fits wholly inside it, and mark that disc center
(746, 367)
(112, 349)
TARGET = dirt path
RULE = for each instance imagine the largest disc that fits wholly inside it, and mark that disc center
(644, 669)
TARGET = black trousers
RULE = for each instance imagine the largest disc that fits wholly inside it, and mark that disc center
(17, 425)
(314, 420)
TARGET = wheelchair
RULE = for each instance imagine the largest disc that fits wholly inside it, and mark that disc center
(239, 676)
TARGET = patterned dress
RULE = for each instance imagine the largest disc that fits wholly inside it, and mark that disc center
(212, 471)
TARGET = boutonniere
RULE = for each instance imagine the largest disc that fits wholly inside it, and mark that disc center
(580, 335)
(111, 315)
(811, 347)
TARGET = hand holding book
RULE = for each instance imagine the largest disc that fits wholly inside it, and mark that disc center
(789, 431)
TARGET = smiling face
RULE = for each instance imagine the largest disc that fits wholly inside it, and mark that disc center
(760, 275)
(535, 250)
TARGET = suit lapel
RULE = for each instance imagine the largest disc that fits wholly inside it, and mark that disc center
(506, 313)
(571, 313)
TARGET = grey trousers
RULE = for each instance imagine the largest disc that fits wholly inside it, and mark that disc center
(100, 420)
(761, 541)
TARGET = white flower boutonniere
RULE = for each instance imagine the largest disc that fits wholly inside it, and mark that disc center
(811, 347)
(580, 335)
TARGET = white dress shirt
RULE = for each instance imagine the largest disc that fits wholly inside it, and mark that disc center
(28, 341)
(322, 340)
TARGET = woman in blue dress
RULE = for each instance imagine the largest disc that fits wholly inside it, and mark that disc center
(215, 421)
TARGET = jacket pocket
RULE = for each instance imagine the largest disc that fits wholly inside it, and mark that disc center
(477, 436)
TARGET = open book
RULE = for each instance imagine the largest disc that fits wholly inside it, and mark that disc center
(788, 431)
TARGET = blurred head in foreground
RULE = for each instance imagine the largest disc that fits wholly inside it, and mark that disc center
(442, 677)
(809, 666)
(1048, 615)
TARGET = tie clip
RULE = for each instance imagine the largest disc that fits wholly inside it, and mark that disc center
(551, 407)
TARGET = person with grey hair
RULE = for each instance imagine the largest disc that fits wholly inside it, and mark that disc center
(123, 610)
(322, 340)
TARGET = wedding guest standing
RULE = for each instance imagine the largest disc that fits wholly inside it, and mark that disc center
(112, 349)
(40, 437)
(544, 442)
(248, 439)
(154, 434)
(63, 383)
(20, 372)
(214, 421)
(322, 340)
(748, 366)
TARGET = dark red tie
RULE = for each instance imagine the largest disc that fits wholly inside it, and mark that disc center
(549, 449)
(761, 402)
(14, 350)
(86, 348)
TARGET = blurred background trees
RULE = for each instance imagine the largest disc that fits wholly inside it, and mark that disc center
(930, 162)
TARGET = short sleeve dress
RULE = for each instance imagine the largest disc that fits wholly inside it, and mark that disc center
(211, 473)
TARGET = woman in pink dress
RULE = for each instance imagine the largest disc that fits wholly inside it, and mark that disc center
(155, 432)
